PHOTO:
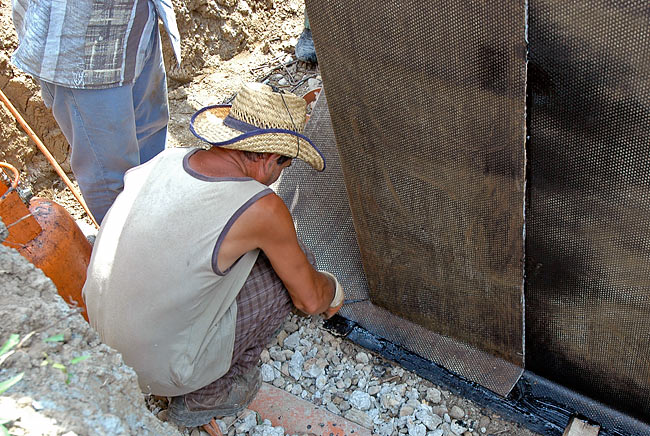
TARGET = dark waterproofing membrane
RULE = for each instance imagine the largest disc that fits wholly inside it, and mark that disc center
(427, 103)
(588, 226)
(427, 112)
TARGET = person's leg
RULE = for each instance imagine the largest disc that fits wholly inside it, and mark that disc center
(150, 104)
(262, 306)
(112, 130)
(305, 50)
(99, 124)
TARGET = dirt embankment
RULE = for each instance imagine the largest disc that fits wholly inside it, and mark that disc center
(71, 382)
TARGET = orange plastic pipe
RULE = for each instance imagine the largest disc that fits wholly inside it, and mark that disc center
(14, 171)
(61, 251)
(47, 154)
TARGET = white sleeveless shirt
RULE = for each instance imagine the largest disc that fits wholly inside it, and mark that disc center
(154, 291)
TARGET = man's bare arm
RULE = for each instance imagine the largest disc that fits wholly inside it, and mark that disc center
(267, 224)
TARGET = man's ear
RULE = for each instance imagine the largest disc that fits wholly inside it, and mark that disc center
(268, 160)
(274, 158)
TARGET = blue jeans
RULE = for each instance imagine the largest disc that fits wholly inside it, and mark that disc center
(111, 130)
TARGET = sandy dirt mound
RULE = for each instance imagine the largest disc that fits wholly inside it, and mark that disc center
(62, 391)
(214, 31)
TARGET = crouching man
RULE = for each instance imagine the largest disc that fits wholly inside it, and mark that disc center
(197, 263)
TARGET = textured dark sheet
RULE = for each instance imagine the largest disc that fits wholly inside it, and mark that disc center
(588, 244)
(427, 103)
(319, 204)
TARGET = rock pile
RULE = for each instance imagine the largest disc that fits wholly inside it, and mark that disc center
(309, 362)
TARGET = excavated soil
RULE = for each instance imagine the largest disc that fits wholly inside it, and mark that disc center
(96, 394)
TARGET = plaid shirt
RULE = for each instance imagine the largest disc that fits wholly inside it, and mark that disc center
(89, 43)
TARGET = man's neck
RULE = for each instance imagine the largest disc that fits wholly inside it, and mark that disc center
(219, 162)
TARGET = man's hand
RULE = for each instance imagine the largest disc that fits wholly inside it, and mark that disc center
(337, 298)
(331, 311)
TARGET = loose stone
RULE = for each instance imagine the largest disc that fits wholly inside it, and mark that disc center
(359, 417)
(332, 408)
(362, 358)
(360, 400)
(417, 430)
(400, 389)
(281, 337)
(321, 382)
(314, 370)
(295, 365)
(277, 355)
(390, 401)
(278, 382)
(248, 423)
(457, 413)
(386, 429)
(439, 410)
(427, 418)
(457, 428)
(362, 383)
(406, 411)
(415, 404)
(313, 83)
(264, 430)
(268, 374)
(290, 327)
(433, 395)
(292, 341)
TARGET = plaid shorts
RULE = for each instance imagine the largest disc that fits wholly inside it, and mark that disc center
(262, 306)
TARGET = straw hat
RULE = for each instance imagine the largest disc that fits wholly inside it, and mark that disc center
(259, 120)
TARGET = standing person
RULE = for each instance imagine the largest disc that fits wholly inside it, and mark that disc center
(197, 262)
(101, 72)
(305, 50)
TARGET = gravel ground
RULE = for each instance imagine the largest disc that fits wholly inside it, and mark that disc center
(311, 363)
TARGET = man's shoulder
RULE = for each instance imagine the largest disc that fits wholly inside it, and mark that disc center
(267, 211)
(270, 203)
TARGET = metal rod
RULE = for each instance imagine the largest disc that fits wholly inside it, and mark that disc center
(47, 154)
